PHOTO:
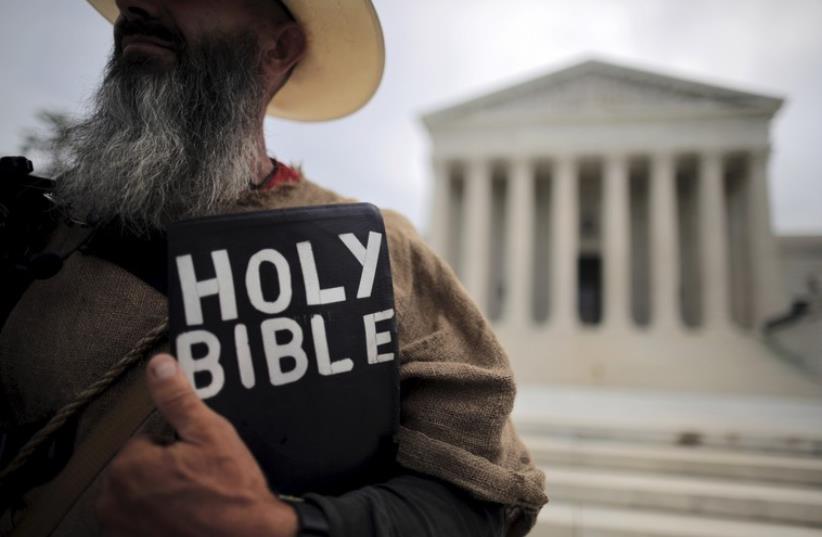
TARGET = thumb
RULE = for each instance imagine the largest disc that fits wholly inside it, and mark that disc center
(176, 400)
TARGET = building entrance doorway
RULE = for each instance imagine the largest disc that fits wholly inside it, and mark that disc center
(589, 298)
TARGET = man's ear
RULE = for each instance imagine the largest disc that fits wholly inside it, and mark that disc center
(282, 50)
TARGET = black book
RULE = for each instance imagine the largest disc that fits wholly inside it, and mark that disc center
(284, 321)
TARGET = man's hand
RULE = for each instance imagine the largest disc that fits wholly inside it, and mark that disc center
(207, 483)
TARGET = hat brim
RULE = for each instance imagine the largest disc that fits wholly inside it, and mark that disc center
(343, 65)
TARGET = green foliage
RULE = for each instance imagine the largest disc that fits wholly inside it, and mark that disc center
(46, 145)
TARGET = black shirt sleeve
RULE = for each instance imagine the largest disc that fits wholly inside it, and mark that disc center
(408, 505)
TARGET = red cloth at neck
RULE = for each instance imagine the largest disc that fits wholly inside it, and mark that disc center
(282, 175)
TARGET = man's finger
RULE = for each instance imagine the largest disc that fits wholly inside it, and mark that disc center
(176, 400)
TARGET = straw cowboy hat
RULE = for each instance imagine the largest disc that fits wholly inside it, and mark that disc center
(343, 64)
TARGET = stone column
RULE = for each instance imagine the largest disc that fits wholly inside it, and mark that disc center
(521, 242)
(617, 247)
(475, 260)
(769, 295)
(665, 312)
(565, 224)
(440, 206)
(716, 311)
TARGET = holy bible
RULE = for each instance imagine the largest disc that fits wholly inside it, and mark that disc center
(284, 322)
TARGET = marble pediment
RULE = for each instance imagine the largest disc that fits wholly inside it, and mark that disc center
(599, 90)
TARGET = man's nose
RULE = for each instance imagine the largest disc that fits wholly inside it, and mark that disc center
(139, 9)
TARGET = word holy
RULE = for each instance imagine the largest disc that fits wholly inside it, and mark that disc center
(282, 337)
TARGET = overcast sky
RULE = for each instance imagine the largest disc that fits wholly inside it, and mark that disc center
(443, 51)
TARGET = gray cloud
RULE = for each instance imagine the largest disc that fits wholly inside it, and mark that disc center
(443, 51)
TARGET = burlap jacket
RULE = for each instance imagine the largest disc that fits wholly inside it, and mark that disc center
(456, 384)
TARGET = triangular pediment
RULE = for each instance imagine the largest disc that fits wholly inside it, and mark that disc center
(596, 89)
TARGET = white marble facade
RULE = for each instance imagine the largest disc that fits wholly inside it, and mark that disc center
(614, 226)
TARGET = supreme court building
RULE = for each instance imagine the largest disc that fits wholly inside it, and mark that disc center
(614, 225)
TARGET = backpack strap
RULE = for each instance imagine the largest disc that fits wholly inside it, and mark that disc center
(130, 409)
(114, 429)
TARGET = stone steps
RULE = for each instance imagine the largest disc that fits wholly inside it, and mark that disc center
(625, 463)
(562, 519)
(753, 424)
(685, 460)
(685, 494)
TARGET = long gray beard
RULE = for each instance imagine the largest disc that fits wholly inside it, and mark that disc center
(161, 146)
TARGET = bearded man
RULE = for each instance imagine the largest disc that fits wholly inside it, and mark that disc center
(177, 132)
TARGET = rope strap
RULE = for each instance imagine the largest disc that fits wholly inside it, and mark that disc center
(70, 410)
